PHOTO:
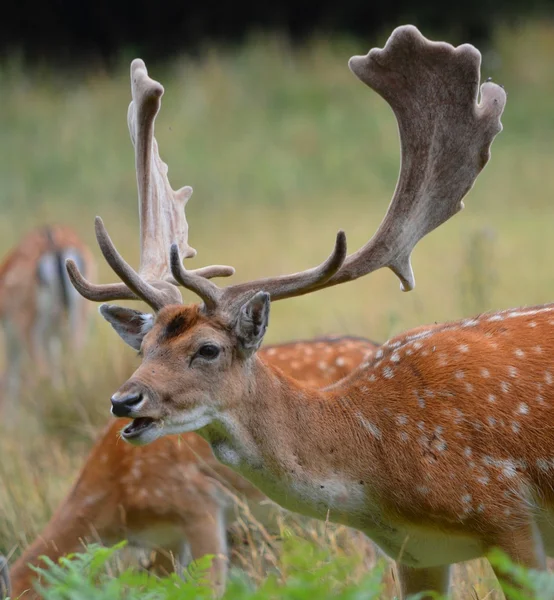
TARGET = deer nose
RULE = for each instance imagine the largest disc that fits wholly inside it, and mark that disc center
(122, 405)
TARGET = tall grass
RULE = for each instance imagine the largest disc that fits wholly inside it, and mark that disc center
(282, 148)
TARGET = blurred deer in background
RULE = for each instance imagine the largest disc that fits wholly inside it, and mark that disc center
(39, 308)
(172, 496)
(435, 448)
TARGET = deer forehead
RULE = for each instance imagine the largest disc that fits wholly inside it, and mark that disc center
(179, 323)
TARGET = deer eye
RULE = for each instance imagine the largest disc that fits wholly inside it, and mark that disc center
(208, 351)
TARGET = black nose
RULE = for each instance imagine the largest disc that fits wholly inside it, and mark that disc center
(123, 405)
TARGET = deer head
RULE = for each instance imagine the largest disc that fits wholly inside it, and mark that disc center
(200, 360)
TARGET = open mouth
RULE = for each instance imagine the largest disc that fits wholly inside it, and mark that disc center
(137, 427)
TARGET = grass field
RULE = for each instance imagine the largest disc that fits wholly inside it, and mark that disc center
(282, 148)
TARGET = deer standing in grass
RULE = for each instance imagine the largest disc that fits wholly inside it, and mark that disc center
(169, 495)
(39, 308)
(439, 447)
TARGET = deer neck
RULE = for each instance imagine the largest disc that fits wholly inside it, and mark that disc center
(297, 444)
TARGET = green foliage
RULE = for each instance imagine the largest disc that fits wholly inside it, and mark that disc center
(87, 576)
(519, 583)
(478, 274)
(311, 573)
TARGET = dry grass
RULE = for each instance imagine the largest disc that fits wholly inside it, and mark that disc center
(282, 148)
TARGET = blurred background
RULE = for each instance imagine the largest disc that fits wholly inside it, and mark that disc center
(102, 31)
(283, 146)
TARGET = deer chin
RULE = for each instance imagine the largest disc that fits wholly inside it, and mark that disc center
(190, 420)
(142, 431)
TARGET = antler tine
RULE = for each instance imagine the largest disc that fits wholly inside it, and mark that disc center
(278, 287)
(97, 293)
(208, 291)
(286, 286)
(155, 298)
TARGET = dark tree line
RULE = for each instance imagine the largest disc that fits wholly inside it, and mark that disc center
(69, 30)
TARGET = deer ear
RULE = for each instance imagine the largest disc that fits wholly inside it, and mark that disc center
(131, 325)
(252, 323)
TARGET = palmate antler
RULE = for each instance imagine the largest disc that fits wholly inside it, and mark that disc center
(445, 139)
(161, 210)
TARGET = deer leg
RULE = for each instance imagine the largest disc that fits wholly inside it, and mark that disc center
(413, 581)
(68, 528)
(169, 559)
(206, 534)
(523, 546)
(55, 541)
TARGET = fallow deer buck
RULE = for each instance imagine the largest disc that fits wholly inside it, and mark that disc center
(437, 447)
(39, 309)
(170, 495)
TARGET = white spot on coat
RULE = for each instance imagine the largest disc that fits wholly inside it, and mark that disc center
(542, 464)
(373, 429)
(388, 372)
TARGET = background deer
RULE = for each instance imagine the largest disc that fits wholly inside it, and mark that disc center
(171, 495)
(39, 308)
(405, 449)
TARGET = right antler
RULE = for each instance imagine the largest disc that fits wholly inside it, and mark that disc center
(161, 210)
(445, 139)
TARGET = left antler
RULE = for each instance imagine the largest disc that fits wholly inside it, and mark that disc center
(161, 210)
(445, 139)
